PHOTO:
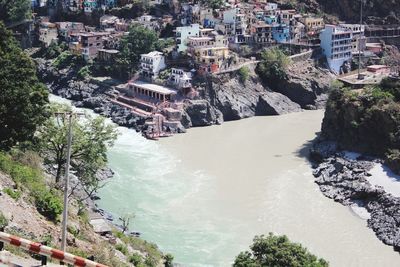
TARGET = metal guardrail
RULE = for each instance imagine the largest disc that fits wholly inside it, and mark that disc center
(45, 251)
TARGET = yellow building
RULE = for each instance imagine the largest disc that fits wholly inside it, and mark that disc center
(210, 51)
(313, 24)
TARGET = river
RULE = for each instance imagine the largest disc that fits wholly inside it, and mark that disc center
(203, 195)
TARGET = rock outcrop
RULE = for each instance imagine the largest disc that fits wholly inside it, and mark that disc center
(345, 181)
(306, 84)
(87, 93)
(376, 12)
(365, 121)
(222, 97)
(236, 99)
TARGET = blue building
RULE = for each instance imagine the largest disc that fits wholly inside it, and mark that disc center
(281, 33)
(336, 44)
(270, 19)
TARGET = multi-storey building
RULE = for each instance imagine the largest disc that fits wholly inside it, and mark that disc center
(180, 78)
(359, 41)
(281, 33)
(75, 5)
(91, 42)
(209, 52)
(151, 64)
(183, 33)
(336, 44)
(66, 28)
(261, 33)
(89, 5)
(48, 33)
(312, 24)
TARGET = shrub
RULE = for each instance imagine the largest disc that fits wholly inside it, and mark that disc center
(391, 86)
(47, 201)
(244, 74)
(15, 194)
(135, 259)
(168, 260)
(151, 261)
(84, 72)
(3, 220)
(48, 204)
(377, 94)
(273, 65)
(277, 251)
(122, 248)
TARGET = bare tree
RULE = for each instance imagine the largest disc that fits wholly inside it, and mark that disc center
(126, 220)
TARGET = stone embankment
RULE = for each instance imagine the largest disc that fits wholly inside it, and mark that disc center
(345, 180)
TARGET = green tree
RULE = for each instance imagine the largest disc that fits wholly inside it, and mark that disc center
(23, 99)
(15, 11)
(273, 65)
(139, 41)
(277, 251)
(91, 138)
(244, 74)
(168, 260)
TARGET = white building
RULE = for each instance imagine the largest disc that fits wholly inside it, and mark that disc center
(151, 64)
(336, 44)
(359, 41)
(48, 33)
(183, 33)
(89, 5)
(180, 78)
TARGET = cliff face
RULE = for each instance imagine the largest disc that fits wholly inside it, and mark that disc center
(222, 97)
(364, 121)
(225, 97)
(378, 11)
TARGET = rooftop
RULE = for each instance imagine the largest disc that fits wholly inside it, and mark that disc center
(153, 87)
(369, 78)
(152, 54)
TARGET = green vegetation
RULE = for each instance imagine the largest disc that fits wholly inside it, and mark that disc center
(3, 220)
(391, 86)
(91, 137)
(78, 252)
(84, 72)
(140, 40)
(277, 251)
(53, 51)
(244, 74)
(366, 121)
(153, 253)
(168, 260)
(66, 59)
(15, 11)
(273, 65)
(23, 99)
(123, 248)
(15, 194)
(136, 259)
(47, 201)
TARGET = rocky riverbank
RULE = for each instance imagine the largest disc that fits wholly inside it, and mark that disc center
(345, 180)
(221, 97)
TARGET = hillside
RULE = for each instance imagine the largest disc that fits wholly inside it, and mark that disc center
(375, 11)
(22, 215)
(366, 121)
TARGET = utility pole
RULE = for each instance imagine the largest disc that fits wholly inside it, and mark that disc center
(70, 116)
(359, 41)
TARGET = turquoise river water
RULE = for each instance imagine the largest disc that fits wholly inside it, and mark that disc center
(203, 195)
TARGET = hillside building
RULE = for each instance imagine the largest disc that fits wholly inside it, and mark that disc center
(336, 44)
